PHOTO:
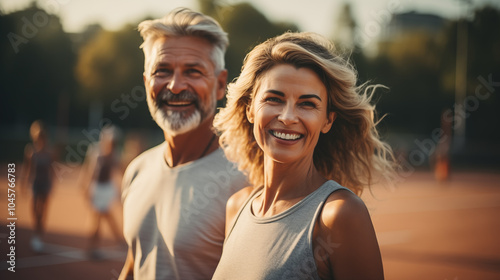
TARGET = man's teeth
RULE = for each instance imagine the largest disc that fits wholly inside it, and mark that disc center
(286, 136)
(179, 103)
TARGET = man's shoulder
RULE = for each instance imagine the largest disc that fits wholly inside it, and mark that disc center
(147, 156)
(142, 163)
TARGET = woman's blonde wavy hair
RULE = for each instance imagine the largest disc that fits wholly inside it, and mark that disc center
(351, 153)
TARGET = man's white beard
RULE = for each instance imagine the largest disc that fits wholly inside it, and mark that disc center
(174, 124)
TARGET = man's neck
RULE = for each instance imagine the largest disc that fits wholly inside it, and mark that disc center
(191, 145)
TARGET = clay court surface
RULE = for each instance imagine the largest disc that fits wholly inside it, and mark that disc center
(426, 230)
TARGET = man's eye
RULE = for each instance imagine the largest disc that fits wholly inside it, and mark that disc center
(161, 72)
(193, 72)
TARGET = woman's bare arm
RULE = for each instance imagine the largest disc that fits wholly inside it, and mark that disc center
(348, 239)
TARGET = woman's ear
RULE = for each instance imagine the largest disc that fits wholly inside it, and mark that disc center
(329, 122)
(250, 116)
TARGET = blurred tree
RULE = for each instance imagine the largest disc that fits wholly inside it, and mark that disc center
(410, 64)
(419, 67)
(483, 75)
(110, 64)
(246, 27)
(483, 83)
(344, 27)
(343, 38)
(109, 71)
(36, 70)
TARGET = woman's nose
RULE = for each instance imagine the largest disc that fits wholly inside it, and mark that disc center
(288, 115)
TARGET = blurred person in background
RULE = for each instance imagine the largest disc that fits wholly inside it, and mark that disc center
(441, 158)
(37, 171)
(100, 177)
(298, 124)
(174, 195)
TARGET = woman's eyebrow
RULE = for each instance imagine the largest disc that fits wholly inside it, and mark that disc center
(307, 96)
(277, 92)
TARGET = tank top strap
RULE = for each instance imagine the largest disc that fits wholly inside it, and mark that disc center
(256, 191)
(276, 247)
(321, 196)
(330, 186)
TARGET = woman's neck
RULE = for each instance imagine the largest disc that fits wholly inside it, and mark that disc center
(285, 185)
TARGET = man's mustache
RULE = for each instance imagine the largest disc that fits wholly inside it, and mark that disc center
(183, 96)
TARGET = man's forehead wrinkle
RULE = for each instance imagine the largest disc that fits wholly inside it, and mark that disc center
(171, 60)
(178, 53)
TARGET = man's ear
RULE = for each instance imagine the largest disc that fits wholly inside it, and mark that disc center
(250, 116)
(329, 122)
(221, 84)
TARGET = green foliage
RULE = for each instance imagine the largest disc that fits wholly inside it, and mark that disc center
(110, 64)
(246, 27)
(37, 61)
(40, 63)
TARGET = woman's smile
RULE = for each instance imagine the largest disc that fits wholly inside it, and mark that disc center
(289, 113)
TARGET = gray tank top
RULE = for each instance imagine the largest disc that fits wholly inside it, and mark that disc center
(278, 247)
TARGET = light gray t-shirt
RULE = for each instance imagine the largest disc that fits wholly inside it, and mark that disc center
(278, 247)
(174, 218)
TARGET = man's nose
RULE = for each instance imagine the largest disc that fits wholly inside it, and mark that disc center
(177, 84)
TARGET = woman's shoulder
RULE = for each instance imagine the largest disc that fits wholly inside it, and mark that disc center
(341, 208)
(234, 204)
(237, 200)
(345, 224)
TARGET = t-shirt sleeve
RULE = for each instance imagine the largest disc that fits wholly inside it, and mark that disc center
(127, 178)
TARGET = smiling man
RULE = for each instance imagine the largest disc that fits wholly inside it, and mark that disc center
(174, 195)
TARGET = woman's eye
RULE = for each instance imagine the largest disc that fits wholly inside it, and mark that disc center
(273, 99)
(308, 104)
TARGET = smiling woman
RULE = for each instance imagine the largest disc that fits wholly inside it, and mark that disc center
(351, 153)
(288, 113)
(306, 136)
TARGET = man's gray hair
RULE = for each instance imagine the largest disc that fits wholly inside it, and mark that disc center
(185, 22)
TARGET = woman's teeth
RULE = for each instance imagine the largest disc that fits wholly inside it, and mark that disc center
(286, 136)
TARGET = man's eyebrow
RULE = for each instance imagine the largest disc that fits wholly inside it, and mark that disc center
(195, 64)
(161, 64)
(305, 96)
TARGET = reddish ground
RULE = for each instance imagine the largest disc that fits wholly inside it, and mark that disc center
(426, 230)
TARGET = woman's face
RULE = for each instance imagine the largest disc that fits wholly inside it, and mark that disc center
(289, 111)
